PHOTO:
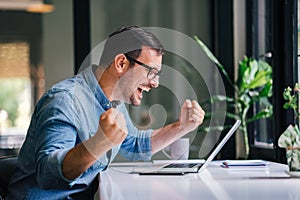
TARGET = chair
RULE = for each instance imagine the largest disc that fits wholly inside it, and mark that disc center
(7, 167)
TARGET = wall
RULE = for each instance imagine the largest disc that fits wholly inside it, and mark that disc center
(58, 41)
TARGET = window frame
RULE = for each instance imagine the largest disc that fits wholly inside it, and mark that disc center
(284, 48)
(284, 62)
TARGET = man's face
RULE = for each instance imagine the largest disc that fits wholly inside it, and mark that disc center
(136, 80)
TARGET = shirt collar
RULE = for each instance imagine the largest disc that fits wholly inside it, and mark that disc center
(89, 75)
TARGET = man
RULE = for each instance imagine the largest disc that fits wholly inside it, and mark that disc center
(80, 124)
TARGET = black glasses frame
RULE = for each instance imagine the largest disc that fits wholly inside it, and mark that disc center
(151, 71)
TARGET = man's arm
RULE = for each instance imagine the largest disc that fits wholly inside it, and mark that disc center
(111, 132)
(191, 116)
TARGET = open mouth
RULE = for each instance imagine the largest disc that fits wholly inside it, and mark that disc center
(141, 89)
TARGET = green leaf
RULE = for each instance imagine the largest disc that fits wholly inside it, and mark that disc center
(253, 74)
(232, 116)
(221, 98)
(265, 113)
(289, 138)
(287, 93)
(286, 105)
(207, 51)
(251, 71)
(214, 59)
(267, 90)
(246, 72)
(217, 98)
(259, 80)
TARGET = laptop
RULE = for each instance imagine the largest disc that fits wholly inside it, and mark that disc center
(180, 167)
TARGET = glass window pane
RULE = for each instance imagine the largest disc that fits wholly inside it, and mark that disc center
(15, 91)
(263, 134)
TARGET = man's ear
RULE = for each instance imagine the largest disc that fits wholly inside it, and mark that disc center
(121, 63)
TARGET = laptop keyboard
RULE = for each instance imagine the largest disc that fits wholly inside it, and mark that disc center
(181, 165)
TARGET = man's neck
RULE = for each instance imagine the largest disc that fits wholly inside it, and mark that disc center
(107, 82)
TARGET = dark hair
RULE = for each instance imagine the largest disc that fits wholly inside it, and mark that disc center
(128, 40)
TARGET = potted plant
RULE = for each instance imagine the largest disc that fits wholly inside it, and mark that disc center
(253, 87)
(290, 138)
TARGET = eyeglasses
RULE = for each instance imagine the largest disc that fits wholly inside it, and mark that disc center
(153, 73)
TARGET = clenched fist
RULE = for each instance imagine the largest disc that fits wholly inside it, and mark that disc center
(191, 115)
(113, 126)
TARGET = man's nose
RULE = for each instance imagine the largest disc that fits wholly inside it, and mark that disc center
(155, 82)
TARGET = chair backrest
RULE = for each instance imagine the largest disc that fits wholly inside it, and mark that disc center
(7, 167)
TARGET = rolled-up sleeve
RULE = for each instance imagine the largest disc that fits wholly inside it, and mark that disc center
(137, 145)
(56, 135)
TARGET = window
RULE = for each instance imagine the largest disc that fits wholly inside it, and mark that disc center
(259, 46)
(15, 95)
(15, 88)
(272, 27)
(21, 76)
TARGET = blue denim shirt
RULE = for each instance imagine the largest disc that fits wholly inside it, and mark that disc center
(66, 115)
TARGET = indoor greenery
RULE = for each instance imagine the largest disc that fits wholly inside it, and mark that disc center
(252, 90)
(290, 138)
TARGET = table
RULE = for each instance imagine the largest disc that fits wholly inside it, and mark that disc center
(214, 182)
